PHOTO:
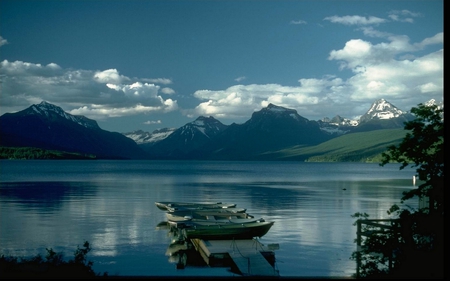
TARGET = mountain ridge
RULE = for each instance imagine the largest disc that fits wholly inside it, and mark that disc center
(273, 128)
(48, 127)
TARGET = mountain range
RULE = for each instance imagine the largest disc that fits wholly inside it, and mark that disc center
(49, 127)
(264, 136)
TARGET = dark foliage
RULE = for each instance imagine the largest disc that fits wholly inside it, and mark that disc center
(38, 153)
(52, 266)
(413, 246)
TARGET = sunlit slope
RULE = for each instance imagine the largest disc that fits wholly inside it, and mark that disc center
(355, 147)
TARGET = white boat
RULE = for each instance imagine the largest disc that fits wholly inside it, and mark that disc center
(172, 206)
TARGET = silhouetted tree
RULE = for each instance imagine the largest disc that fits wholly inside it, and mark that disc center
(414, 246)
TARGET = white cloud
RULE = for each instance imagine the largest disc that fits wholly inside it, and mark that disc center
(95, 94)
(241, 78)
(168, 91)
(358, 52)
(237, 101)
(298, 22)
(403, 15)
(3, 41)
(164, 81)
(152, 122)
(355, 20)
(378, 72)
(388, 77)
(108, 76)
(436, 39)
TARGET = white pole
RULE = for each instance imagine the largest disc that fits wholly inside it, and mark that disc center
(414, 180)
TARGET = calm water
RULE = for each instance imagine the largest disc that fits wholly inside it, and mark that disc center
(61, 204)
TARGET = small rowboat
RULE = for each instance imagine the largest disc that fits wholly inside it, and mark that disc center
(216, 210)
(225, 230)
(206, 215)
(172, 206)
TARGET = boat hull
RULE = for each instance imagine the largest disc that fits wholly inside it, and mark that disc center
(171, 206)
(206, 215)
(227, 231)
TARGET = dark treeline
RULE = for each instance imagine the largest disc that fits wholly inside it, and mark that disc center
(38, 153)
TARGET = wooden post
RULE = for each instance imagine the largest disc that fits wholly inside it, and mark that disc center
(358, 247)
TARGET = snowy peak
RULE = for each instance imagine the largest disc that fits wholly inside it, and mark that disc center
(432, 102)
(381, 109)
(209, 126)
(141, 137)
(51, 112)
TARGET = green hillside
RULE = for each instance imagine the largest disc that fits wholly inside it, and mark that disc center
(355, 147)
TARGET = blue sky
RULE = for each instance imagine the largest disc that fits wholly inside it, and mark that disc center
(141, 64)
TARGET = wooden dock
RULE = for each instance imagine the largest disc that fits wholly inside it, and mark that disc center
(249, 256)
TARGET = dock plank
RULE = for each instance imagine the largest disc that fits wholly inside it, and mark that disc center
(246, 254)
(253, 264)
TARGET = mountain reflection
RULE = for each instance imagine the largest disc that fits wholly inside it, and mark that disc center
(44, 196)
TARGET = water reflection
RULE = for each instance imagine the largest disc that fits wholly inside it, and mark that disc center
(111, 204)
(184, 252)
(45, 197)
(180, 251)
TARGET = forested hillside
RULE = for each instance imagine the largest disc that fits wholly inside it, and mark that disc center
(355, 147)
(37, 153)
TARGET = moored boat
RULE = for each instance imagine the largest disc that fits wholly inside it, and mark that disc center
(225, 230)
(207, 215)
(172, 206)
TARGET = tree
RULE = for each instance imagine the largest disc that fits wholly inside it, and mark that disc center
(52, 267)
(423, 147)
(413, 246)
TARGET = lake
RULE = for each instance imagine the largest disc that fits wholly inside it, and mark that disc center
(60, 204)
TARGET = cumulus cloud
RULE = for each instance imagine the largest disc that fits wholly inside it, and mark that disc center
(378, 70)
(110, 76)
(95, 94)
(236, 101)
(355, 20)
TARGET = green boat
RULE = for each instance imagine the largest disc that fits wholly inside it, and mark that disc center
(173, 206)
(207, 215)
(225, 230)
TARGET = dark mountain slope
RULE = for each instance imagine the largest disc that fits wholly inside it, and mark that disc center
(269, 129)
(186, 140)
(48, 127)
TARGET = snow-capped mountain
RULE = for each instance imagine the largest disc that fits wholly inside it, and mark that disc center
(440, 105)
(381, 115)
(208, 126)
(47, 126)
(53, 112)
(337, 125)
(381, 109)
(141, 137)
(271, 128)
(186, 139)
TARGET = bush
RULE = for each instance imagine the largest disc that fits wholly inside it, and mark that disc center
(53, 266)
